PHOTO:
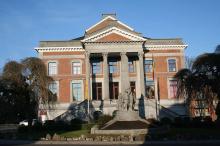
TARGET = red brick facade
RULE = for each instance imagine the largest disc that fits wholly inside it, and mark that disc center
(109, 33)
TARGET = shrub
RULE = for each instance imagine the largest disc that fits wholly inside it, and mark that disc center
(196, 122)
(166, 121)
(49, 125)
(103, 120)
(76, 124)
(61, 125)
(186, 121)
(37, 126)
(23, 129)
(178, 122)
(114, 113)
(97, 115)
(208, 122)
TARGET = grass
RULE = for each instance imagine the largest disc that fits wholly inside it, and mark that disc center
(195, 131)
(76, 133)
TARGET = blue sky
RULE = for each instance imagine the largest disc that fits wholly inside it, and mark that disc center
(23, 23)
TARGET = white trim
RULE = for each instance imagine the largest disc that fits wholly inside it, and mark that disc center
(82, 91)
(168, 58)
(165, 47)
(73, 61)
(52, 61)
(100, 22)
(58, 49)
(125, 25)
(151, 59)
(106, 19)
(162, 54)
(114, 30)
(63, 56)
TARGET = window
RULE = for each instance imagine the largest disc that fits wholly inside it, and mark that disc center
(131, 66)
(76, 68)
(148, 66)
(172, 88)
(76, 91)
(53, 87)
(150, 89)
(96, 67)
(113, 67)
(172, 65)
(52, 68)
(97, 91)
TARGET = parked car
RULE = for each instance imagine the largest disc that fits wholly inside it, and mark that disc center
(23, 123)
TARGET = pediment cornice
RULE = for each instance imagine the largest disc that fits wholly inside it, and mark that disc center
(112, 30)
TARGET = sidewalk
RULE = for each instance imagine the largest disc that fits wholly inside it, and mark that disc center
(21, 142)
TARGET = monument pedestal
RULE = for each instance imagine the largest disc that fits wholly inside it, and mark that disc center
(127, 116)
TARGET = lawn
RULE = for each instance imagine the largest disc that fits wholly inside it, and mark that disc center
(76, 133)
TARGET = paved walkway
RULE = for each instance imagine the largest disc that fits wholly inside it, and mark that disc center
(27, 142)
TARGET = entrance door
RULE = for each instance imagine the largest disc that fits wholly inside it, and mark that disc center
(133, 89)
(97, 91)
(113, 90)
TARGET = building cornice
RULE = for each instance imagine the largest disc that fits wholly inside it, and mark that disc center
(115, 42)
(58, 49)
(165, 47)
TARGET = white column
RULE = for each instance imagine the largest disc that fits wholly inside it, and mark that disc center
(140, 75)
(106, 76)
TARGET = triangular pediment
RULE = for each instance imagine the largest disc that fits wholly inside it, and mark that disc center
(112, 34)
(113, 37)
(106, 22)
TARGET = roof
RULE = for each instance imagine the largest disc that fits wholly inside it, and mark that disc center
(71, 43)
(171, 41)
(108, 20)
(108, 26)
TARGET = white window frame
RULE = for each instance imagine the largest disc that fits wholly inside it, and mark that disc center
(168, 64)
(71, 90)
(152, 64)
(76, 61)
(48, 67)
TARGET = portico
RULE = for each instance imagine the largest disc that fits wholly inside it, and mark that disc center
(109, 51)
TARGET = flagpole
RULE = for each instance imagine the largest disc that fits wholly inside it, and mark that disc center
(155, 87)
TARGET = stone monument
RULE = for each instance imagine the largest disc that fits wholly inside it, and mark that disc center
(127, 119)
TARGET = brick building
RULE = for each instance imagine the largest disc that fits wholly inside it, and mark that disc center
(109, 58)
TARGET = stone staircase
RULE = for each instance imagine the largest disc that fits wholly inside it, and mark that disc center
(155, 110)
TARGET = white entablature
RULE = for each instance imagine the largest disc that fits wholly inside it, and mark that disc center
(58, 49)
